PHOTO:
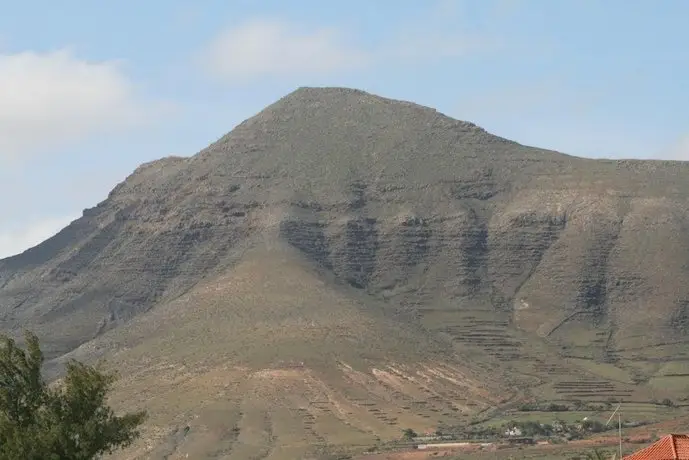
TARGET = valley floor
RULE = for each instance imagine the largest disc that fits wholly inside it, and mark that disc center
(605, 443)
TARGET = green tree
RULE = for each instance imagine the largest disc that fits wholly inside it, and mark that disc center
(668, 402)
(409, 434)
(66, 421)
(592, 426)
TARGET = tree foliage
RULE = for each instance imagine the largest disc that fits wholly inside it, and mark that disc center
(67, 421)
(409, 434)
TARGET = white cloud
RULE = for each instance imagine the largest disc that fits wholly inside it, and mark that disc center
(19, 238)
(50, 99)
(272, 47)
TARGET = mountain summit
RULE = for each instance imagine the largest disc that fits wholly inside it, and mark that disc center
(341, 266)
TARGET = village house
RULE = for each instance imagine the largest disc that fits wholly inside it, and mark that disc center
(671, 447)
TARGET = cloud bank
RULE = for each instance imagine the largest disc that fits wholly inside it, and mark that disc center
(48, 100)
(270, 47)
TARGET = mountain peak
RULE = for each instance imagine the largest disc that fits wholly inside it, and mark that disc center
(326, 90)
(344, 97)
(347, 132)
(373, 255)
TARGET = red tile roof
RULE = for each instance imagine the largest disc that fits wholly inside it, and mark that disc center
(671, 447)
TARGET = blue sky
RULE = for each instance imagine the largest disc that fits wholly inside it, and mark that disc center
(89, 90)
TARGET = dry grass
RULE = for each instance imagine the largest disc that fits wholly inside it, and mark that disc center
(290, 368)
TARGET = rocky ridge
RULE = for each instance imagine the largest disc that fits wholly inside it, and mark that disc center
(476, 243)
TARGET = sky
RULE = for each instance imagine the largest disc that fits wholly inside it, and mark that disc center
(90, 90)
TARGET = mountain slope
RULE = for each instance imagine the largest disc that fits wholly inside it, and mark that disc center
(272, 350)
(529, 271)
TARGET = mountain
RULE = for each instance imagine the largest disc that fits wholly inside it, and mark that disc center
(342, 266)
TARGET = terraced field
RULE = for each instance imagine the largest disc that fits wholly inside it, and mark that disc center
(547, 372)
(295, 412)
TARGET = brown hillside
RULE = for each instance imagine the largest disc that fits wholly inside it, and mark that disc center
(401, 267)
